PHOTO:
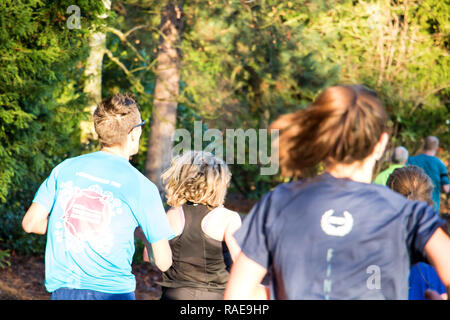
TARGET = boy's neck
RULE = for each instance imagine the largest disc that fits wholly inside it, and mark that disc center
(116, 150)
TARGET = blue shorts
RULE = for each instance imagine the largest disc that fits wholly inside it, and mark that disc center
(83, 294)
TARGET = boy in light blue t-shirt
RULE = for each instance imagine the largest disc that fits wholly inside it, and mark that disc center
(91, 205)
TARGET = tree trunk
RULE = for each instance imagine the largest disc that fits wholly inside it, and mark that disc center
(93, 74)
(164, 115)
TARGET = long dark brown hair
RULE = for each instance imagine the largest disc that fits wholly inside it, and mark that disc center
(342, 126)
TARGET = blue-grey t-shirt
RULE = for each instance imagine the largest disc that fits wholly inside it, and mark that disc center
(330, 238)
(435, 169)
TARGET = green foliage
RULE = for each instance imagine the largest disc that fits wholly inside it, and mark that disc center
(399, 48)
(242, 61)
(243, 67)
(4, 255)
(138, 251)
(41, 102)
(134, 67)
(243, 64)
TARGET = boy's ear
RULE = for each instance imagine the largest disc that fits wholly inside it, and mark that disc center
(134, 135)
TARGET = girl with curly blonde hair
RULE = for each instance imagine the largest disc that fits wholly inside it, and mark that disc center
(196, 185)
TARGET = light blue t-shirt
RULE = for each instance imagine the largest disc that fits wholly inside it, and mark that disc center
(96, 201)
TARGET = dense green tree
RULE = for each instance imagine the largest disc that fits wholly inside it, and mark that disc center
(240, 68)
(242, 64)
(399, 48)
(40, 99)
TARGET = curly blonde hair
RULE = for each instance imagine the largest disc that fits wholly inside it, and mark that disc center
(198, 177)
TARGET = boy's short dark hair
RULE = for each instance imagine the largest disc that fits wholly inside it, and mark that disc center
(114, 118)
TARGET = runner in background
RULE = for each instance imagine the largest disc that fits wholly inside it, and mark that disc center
(337, 235)
(91, 205)
(433, 167)
(413, 183)
(196, 185)
(399, 158)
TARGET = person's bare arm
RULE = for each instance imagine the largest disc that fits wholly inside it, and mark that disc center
(36, 219)
(437, 250)
(162, 254)
(260, 291)
(245, 278)
(234, 223)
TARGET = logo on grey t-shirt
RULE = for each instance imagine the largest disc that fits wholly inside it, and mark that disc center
(336, 226)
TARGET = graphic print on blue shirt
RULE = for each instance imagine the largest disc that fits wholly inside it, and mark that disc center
(87, 217)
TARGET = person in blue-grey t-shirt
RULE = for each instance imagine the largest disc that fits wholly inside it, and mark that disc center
(336, 235)
(433, 167)
(90, 207)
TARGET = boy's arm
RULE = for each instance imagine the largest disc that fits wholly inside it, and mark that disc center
(36, 219)
(162, 254)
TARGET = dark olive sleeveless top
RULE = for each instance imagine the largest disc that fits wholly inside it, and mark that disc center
(198, 260)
